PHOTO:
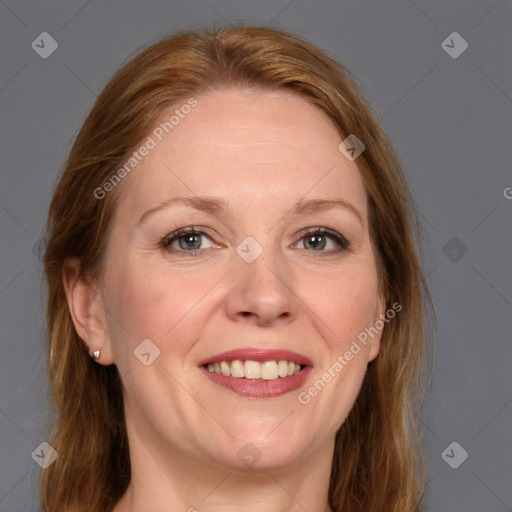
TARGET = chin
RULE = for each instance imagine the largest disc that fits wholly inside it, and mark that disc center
(265, 449)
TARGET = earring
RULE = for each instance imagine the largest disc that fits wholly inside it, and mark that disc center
(96, 355)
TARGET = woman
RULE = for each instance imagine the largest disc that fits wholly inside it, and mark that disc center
(236, 306)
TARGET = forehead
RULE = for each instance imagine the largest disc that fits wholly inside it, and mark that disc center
(247, 147)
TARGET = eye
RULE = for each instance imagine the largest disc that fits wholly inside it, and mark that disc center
(189, 241)
(317, 238)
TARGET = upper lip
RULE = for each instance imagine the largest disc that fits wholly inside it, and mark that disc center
(258, 354)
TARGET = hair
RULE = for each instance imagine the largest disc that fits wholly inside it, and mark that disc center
(378, 461)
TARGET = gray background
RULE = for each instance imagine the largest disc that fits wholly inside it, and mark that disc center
(449, 119)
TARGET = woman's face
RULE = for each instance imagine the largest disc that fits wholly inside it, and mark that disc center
(256, 278)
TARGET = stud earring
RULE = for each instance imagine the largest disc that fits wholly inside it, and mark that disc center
(96, 355)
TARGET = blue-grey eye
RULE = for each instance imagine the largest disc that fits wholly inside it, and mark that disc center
(317, 240)
(188, 240)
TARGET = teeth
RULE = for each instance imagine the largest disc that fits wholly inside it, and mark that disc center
(252, 370)
(225, 368)
(237, 369)
(269, 370)
(282, 368)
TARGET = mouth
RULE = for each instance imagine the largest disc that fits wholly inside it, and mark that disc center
(258, 373)
(248, 369)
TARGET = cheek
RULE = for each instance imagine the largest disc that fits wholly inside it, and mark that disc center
(351, 314)
(156, 304)
(347, 308)
(346, 305)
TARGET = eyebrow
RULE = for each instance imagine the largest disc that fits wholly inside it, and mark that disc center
(202, 203)
(319, 205)
(217, 206)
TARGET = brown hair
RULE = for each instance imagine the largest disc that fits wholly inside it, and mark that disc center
(378, 460)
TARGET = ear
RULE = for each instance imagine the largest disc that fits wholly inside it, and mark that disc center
(380, 311)
(85, 305)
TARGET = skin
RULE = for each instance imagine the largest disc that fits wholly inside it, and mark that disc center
(260, 152)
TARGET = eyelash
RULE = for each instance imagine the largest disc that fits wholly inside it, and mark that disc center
(343, 243)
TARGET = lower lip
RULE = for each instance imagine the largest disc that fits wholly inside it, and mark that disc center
(258, 388)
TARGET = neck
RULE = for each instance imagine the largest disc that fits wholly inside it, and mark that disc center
(171, 478)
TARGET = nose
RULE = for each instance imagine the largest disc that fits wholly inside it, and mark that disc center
(262, 292)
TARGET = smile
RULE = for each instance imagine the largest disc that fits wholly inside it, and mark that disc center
(269, 370)
(258, 373)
